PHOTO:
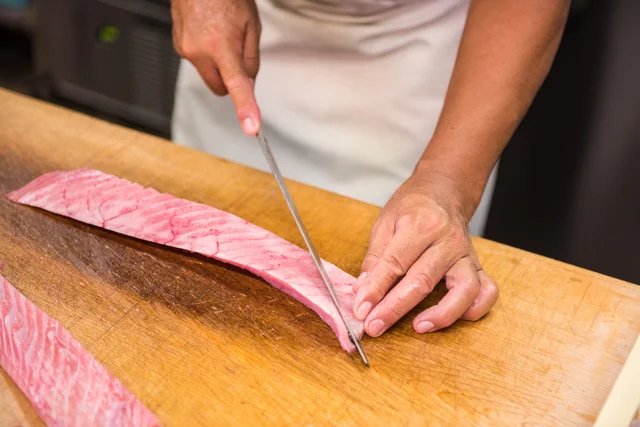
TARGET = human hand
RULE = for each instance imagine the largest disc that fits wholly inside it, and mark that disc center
(421, 237)
(220, 38)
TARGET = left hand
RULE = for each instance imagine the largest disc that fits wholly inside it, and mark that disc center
(421, 237)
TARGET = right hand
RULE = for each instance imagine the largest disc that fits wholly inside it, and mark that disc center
(220, 38)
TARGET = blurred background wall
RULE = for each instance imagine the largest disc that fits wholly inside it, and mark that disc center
(568, 183)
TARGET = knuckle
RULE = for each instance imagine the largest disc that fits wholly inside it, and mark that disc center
(471, 285)
(407, 220)
(474, 282)
(396, 312)
(424, 284)
(458, 238)
(370, 259)
(432, 221)
(376, 291)
(188, 50)
(492, 290)
(194, 49)
(394, 265)
(368, 262)
(235, 81)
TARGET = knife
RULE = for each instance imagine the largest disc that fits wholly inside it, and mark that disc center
(312, 250)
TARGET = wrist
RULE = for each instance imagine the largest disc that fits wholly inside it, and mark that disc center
(467, 185)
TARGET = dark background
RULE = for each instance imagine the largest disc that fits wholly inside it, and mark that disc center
(568, 182)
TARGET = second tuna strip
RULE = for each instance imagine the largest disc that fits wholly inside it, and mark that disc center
(64, 383)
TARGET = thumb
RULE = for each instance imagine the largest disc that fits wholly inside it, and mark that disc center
(240, 88)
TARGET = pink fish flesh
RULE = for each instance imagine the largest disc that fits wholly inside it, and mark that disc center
(118, 205)
(65, 384)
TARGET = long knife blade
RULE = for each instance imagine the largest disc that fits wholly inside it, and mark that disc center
(312, 250)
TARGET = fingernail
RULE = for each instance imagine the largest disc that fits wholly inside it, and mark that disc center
(249, 125)
(376, 327)
(363, 310)
(424, 327)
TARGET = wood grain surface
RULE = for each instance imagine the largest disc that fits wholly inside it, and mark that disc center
(202, 343)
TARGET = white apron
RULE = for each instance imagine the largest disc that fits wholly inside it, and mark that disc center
(350, 92)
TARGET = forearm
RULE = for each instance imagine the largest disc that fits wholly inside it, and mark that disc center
(505, 53)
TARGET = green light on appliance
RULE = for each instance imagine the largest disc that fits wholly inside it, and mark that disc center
(109, 34)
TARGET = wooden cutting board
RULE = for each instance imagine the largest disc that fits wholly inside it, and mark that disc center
(202, 343)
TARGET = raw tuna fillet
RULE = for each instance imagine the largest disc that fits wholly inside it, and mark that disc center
(118, 205)
(65, 384)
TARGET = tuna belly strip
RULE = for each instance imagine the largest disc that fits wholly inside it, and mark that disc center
(65, 384)
(118, 205)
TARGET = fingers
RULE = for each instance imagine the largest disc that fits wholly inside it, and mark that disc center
(399, 255)
(211, 76)
(419, 281)
(251, 55)
(485, 300)
(222, 43)
(464, 287)
(381, 235)
(240, 87)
